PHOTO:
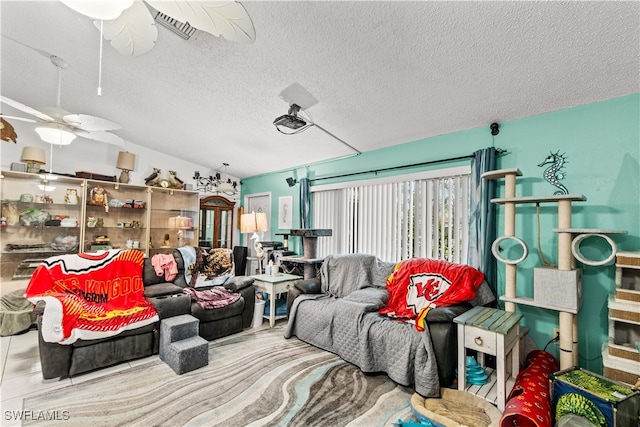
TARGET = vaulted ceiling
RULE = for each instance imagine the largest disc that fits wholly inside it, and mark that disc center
(383, 73)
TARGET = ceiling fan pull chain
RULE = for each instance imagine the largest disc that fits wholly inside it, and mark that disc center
(100, 62)
(59, 86)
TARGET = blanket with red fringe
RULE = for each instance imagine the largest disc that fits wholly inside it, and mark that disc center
(90, 296)
(419, 284)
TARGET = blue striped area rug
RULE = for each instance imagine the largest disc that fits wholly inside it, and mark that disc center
(255, 378)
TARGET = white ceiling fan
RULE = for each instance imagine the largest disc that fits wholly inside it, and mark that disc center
(129, 26)
(57, 126)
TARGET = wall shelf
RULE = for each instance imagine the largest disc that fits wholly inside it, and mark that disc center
(540, 199)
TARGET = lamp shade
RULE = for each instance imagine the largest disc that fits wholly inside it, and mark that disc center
(253, 222)
(33, 155)
(126, 161)
(55, 134)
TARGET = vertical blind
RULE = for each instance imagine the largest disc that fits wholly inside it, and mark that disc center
(396, 219)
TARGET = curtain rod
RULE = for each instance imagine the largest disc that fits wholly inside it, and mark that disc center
(431, 162)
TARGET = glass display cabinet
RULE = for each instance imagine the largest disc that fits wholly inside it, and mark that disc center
(116, 216)
(41, 217)
(173, 219)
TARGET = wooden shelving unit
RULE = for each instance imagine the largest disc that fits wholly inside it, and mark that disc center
(621, 354)
(23, 245)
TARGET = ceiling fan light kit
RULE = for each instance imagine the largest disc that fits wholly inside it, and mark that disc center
(99, 9)
(54, 133)
(130, 25)
(58, 126)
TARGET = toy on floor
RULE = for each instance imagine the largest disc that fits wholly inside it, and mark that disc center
(423, 422)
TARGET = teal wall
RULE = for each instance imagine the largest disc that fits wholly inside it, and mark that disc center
(602, 145)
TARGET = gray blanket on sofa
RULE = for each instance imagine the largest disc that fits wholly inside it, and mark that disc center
(344, 320)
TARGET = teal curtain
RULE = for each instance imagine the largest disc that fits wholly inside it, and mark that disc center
(305, 203)
(482, 227)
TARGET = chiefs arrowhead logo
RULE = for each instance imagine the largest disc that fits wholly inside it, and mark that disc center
(425, 289)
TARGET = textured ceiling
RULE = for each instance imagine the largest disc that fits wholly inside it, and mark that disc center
(383, 73)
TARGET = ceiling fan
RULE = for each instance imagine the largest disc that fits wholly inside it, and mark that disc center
(129, 26)
(57, 126)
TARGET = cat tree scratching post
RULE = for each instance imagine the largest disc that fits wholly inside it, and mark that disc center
(568, 252)
(567, 322)
(511, 270)
(558, 289)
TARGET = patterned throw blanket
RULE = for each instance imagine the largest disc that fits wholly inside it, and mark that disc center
(215, 297)
(91, 296)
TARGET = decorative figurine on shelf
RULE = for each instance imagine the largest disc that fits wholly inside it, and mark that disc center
(554, 173)
(71, 197)
(98, 196)
(175, 181)
(154, 178)
(165, 242)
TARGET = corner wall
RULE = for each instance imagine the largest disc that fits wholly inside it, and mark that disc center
(602, 144)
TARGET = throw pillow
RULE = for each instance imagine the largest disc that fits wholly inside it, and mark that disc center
(211, 267)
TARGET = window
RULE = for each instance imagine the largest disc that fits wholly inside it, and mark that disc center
(417, 215)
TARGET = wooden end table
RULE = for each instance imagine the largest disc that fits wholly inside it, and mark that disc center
(274, 285)
(489, 331)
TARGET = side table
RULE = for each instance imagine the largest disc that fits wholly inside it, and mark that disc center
(494, 332)
(274, 285)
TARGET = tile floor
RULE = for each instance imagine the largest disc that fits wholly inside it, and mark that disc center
(21, 375)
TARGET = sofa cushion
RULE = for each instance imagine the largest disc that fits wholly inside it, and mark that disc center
(343, 274)
(160, 289)
(308, 286)
(137, 331)
(238, 282)
(149, 275)
(171, 305)
(233, 309)
(446, 314)
(376, 297)
(483, 295)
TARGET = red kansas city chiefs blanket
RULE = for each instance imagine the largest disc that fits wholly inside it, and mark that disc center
(417, 285)
(90, 296)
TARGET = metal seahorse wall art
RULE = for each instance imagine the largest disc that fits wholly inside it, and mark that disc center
(555, 172)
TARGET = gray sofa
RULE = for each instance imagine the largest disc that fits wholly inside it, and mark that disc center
(169, 300)
(338, 312)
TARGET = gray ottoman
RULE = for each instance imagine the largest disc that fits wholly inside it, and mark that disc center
(180, 346)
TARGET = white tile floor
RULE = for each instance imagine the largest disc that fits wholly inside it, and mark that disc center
(22, 375)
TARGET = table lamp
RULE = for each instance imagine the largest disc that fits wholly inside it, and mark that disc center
(126, 162)
(33, 157)
(255, 223)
